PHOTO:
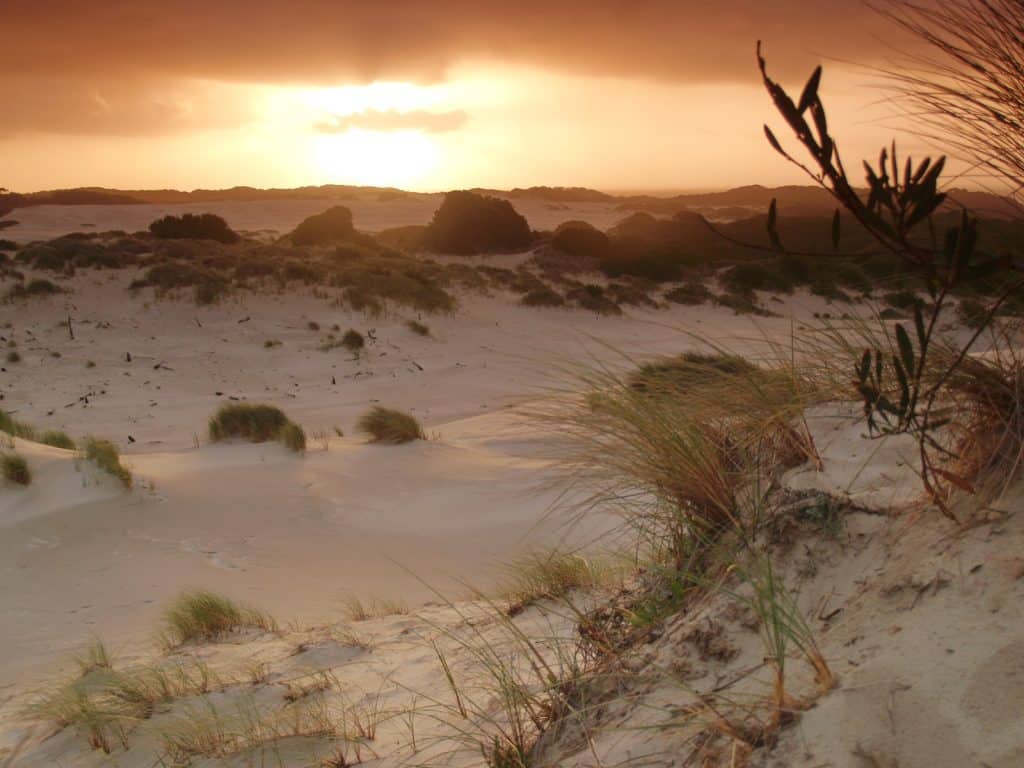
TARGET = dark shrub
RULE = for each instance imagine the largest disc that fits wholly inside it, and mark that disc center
(578, 238)
(639, 257)
(689, 294)
(191, 226)
(542, 296)
(37, 287)
(904, 300)
(386, 425)
(468, 223)
(407, 238)
(353, 341)
(332, 226)
(15, 469)
(253, 422)
(592, 297)
(8, 245)
(744, 278)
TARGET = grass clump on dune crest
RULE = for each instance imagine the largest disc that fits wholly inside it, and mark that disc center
(256, 423)
(550, 575)
(15, 469)
(104, 454)
(387, 425)
(16, 428)
(56, 438)
(203, 616)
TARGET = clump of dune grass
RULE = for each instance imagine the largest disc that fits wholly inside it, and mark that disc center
(356, 610)
(94, 657)
(271, 343)
(15, 469)
(57, 439)
(201, 615)
(292, 437)
(256, 423)
(353, 341)
(417, 327)
(13, 356)
(550, 575)
(16, 428)
(104, 454)
(390, 426)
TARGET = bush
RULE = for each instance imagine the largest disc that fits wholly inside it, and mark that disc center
(689, 294)
(542, 297)
(386, 425)
(253, 422)
(57, 439)
(13, 356)
(104, 455)
(353, 341)
(905, 300)
(205, 616)
(8, 245)
(417, 327)
(578, 238)
(293, 437)
(744, 278)
(592, 297)
(15, 469)
(468, 223)
(204, 226)
(35, 288)
(331, 226)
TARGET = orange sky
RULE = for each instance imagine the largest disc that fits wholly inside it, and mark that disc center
(422, 95)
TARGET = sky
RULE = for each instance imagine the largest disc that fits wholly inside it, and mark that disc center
(425, 95)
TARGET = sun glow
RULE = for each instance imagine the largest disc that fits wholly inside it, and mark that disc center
(393, 158)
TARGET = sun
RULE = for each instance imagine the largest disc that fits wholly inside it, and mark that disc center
(375, 158)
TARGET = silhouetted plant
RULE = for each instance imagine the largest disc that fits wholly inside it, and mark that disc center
(468, 223)
(900, 388)
(191, 226)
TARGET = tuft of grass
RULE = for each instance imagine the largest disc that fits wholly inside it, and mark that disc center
(57, 439)
(256, 423)
(15, 469)
(271, 343)
(353, 341)
(14, 356)
(201, 615)
(548, 576)
(417, 327)
(293, 437)
(16, 428)
(542, 296)
(390, 426)
(355, 609)
(104, 454)
(94, 657)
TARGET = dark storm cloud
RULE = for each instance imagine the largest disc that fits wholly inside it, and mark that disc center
(147, 43)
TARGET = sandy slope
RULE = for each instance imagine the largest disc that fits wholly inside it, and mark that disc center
(294, 535)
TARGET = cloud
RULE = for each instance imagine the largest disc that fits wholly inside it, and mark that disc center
(127, 52)
(393, 120)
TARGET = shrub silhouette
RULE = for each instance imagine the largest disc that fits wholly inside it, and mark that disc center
(386, 425)
(191, 226)
(332, 226)
(542, 297)
(468, 223)
(578, 238)
(34, 288)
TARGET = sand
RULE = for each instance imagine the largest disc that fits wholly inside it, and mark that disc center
(924, 630)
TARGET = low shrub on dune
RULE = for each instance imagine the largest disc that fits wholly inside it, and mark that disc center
(104, 454)
(15, 469)
(257, 423)
(331, 226)
(353, 341)
(57, 439)
(191, 226)
(34, 289)
(417, 327)
(542, 297)
(389, 426)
